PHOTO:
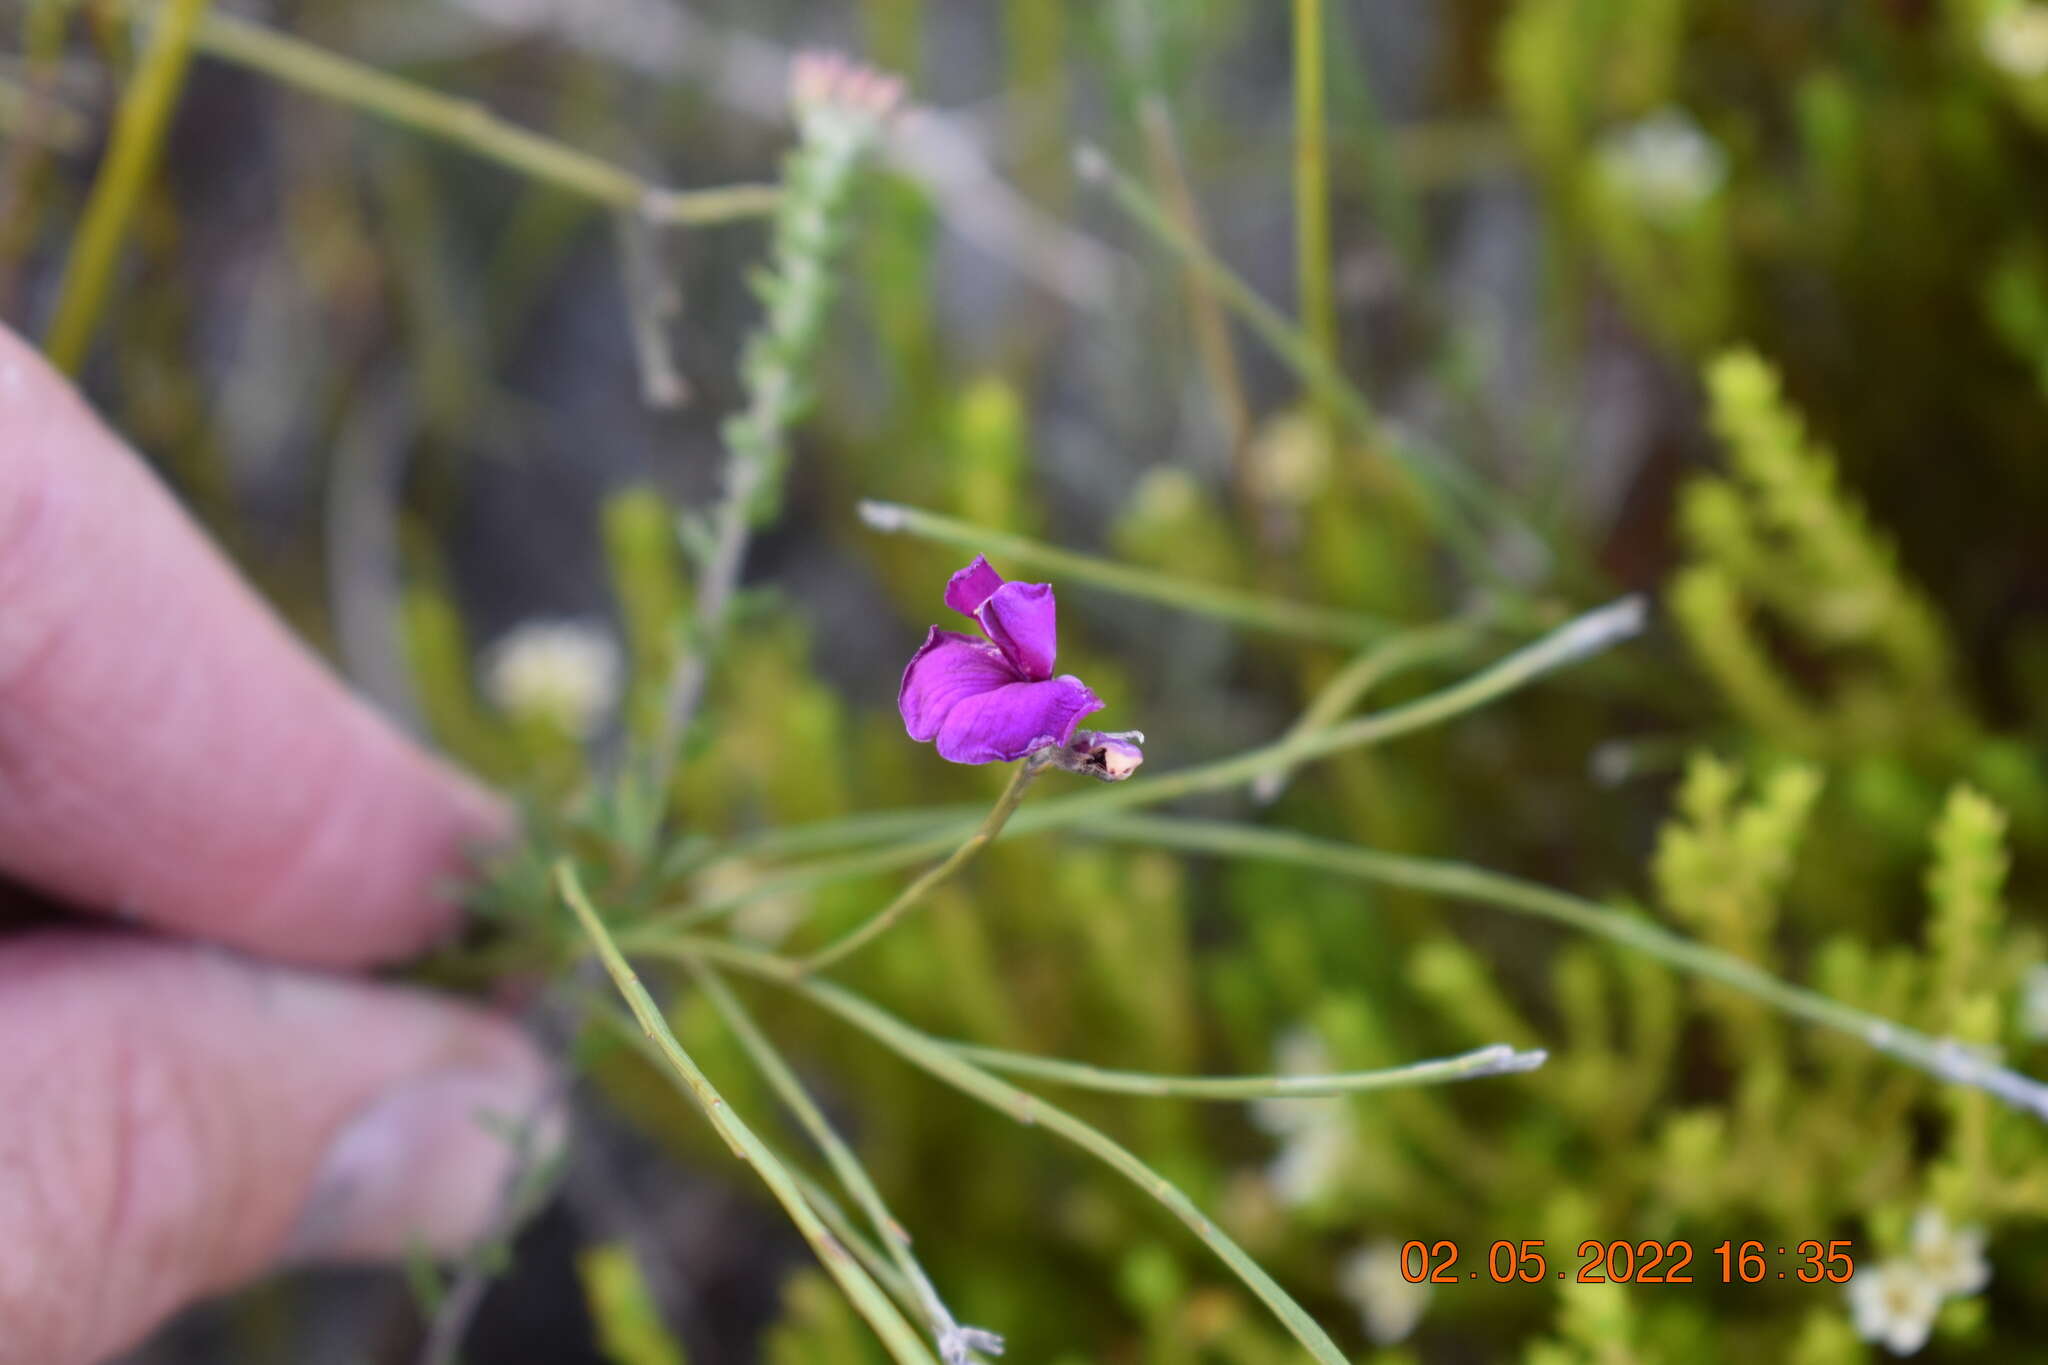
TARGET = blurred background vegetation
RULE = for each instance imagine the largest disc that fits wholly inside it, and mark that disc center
(1741, 303)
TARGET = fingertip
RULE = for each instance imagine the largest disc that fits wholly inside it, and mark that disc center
(167, 750)
(173, 1119)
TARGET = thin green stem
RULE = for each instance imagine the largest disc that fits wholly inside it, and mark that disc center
(838, 126)
(1944, 1059)
(931, 1055)
(1254, 610)
(1498, 1060)
(1312, 189)
(852, 831)
(819, 1198)
(1586, 635)
(846, 1230)
(1368, 669)
(845, 1164)
(914, 894)
(469, 125)
(139, 127)
(1457, 493)
(1207, 321)
(867, 1297)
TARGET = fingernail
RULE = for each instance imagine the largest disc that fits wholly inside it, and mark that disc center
(425, 1165)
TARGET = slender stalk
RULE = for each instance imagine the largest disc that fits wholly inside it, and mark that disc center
(914, 894)
(1312, 190)
(840, 115)
(470, 126)
(1367, 670)
(1498, 1060)
(819, 1198)
(846, 1230)
(1943, 1058)
(139, 127)
(1207, 320)
(456, 1308)
(1275, 614)
(851, 831)
(931, 1055)
(1584, 636)
(1458, 495)
(867, 1297)
(954, 1344)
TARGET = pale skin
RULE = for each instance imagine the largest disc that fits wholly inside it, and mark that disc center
(193, 1085)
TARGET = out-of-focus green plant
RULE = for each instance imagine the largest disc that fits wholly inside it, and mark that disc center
(1841, 838)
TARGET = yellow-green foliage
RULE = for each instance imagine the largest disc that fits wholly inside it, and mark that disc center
(647, 577)
(1779, 552)
(1593, 88)
(818, 1327)
(437, 656)
(990, 456)
(629, 1327)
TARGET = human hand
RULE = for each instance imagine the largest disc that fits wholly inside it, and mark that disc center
(176, 1116)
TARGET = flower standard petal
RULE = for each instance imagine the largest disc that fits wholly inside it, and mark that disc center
(1021, 618)
(1013, 720)
(968, 589)
(948, 668)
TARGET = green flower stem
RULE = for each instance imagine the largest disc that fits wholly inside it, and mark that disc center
(139, 127)
(870, 1255)
(1312, 189)
(834, 1217)
(1252, 610)
(1207, 321)
(1944, 1059)
(845, 1165)
(1456, 492)
(867, 1297)
(818, 175)
(931, 1055)
(913, 894)
(466, 124)
(1367, 670)
(852, 831)
(1587, 634)
(1498, 1060)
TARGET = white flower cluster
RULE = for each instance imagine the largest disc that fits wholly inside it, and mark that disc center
(1666, 165)
(1894, 1302)
(1371, 1278)
(563, 672)
(2015, 40)
(1315, 1133)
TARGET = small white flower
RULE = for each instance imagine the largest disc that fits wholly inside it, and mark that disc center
(1290, 460)
(2015, 40)
(765, 920)
(1297, 1052)
(563, 671)
(1371, 1278)
(1894, 1304)
(2034, 1003)
(1316, 1132)
(1310, 1163)
(1664, 164)
(1951, 1258)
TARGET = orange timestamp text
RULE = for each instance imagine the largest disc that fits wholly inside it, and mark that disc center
(1598, 1262)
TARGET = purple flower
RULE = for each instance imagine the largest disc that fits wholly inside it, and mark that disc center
(992, 700)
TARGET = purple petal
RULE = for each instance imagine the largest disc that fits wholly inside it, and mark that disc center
(948, 668)
(968, 589)
(1015, 719)
(1111, 757)
(1020, 617)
